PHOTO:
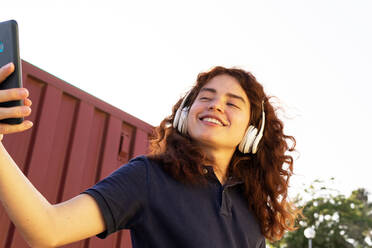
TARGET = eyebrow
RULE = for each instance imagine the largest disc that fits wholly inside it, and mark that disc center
(228, 94)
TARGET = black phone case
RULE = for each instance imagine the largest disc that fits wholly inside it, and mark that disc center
(9, 52)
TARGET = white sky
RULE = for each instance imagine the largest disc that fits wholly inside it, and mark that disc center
(141, 56)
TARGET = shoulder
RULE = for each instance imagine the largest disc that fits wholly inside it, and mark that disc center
(137, 163)
(132, 176)
(140, 161)
(152, 169)
(141, 164)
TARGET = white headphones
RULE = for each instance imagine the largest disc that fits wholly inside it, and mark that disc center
(251, 139)
(248, 144)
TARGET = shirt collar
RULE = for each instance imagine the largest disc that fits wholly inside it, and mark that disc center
(230, 182)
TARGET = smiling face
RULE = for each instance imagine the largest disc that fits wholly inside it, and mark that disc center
(220, 113)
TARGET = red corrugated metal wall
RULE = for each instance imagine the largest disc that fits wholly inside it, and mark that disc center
(76, 140)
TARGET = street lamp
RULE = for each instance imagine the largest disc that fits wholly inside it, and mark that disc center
(309, 234)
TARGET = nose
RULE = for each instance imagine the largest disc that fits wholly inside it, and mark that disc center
(216, 105)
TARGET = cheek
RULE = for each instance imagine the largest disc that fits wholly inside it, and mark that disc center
(191, 117)
(241, 124)
(194, 111)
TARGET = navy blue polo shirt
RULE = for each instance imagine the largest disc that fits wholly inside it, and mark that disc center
(162, 212)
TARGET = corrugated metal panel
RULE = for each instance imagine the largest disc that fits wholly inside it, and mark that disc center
(76, 140)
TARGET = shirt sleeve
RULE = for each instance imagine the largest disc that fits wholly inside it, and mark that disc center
(122, 196)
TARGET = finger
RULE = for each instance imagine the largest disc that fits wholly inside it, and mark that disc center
(15, 112)
(13, 94)
(27, 102)
(7, 129)
(5, 71)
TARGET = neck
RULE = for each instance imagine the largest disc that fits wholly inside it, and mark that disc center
(221, 159)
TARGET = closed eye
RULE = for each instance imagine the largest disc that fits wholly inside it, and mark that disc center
(205, 98)
(231, 104)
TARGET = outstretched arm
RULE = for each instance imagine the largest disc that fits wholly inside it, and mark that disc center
(41, 223)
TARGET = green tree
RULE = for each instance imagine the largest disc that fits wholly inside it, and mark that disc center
(339, 221)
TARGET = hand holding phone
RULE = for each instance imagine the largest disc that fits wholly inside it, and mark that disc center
(9, 52)
(14, 94)
(14, 102)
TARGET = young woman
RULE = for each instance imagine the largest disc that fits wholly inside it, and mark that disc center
(216, 176)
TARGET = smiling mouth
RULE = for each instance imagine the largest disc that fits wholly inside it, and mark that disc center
(211, 121)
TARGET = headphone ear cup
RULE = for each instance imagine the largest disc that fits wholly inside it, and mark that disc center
(243, 143)
(255, 143)
(246, 144)
(182, 124)
(177, 118)
(260, 134)
(250, 138)
(180, 118)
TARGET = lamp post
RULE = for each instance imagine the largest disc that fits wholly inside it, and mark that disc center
(309, 234)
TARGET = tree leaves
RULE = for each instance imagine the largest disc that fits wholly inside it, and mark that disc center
(338, 221)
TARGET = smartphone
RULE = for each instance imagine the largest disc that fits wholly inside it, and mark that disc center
(9, 52)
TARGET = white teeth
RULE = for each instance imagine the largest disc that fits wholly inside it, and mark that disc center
(212, 120)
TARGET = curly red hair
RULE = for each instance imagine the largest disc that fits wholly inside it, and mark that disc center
(265, 174)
